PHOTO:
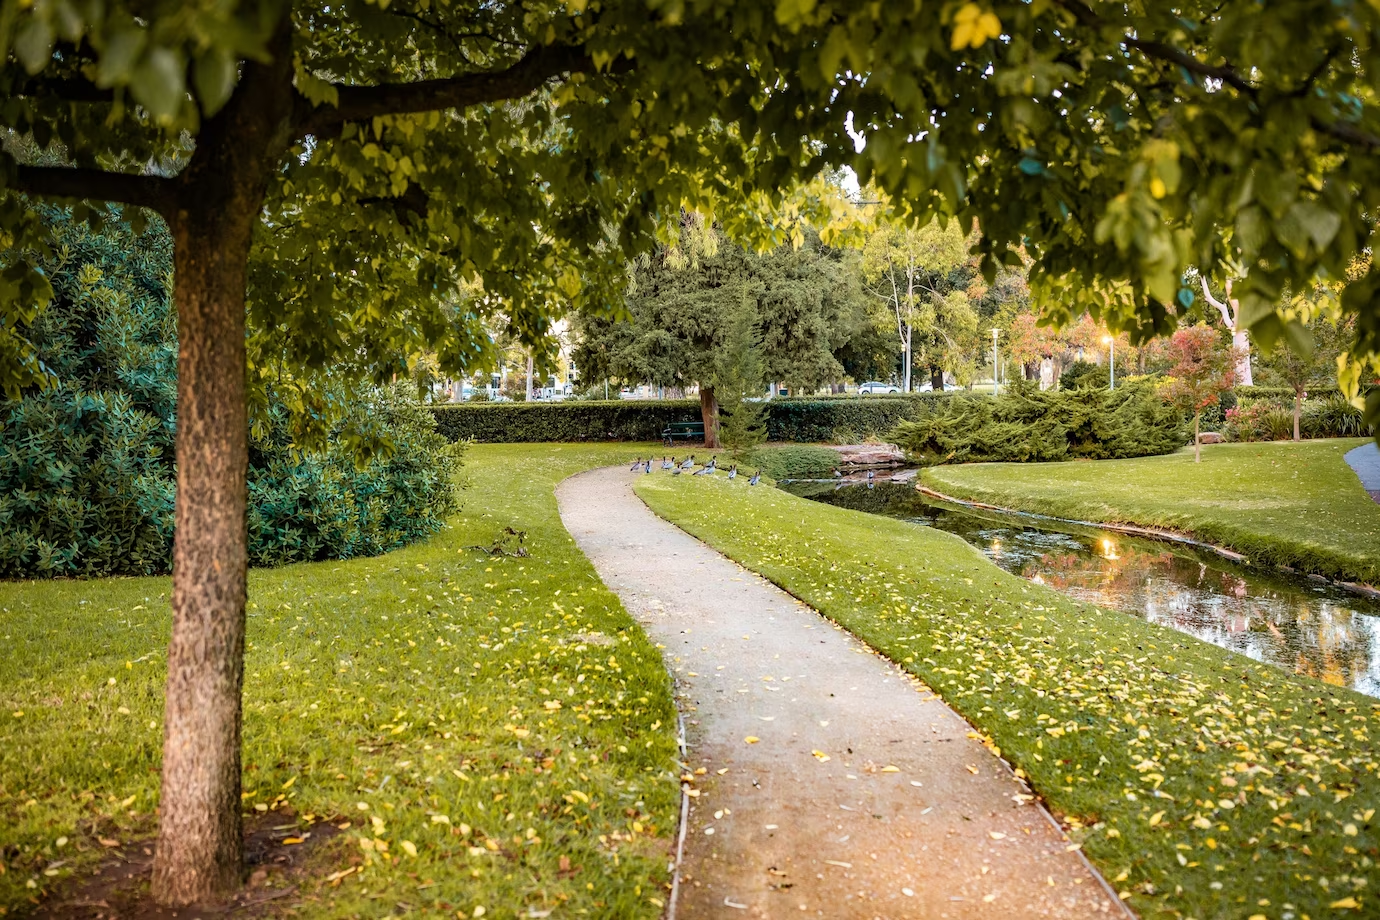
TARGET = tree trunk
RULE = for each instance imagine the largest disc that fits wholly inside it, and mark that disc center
(1242, 345)
(936, 378)
(709, 412)
(1298, 410)
(529, 378)
(1197, 444)
(907, 356)
(220, 193)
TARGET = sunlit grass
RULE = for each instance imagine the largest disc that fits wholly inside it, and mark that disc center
(1279, 503)
(502, 717)
(1203, 784)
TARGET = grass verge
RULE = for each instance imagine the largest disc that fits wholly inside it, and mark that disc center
(1203, 784)
(496, 730)
(1278, 503)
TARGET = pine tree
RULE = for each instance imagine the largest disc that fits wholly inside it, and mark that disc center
(739, 383)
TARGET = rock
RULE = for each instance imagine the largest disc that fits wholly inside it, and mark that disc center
(855, 456)
(1210, 437)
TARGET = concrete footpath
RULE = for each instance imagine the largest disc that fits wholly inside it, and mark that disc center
(826, 781)
(1365, 460)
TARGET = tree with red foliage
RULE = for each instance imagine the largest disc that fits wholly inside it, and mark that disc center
(1201, 369)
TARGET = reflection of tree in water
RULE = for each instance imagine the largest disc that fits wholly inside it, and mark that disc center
(1282, 624)
(1252, 612)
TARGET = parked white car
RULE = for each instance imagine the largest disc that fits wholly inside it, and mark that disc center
(876, 386)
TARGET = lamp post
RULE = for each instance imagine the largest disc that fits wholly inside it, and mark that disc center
(1111, 361)
(995, 374)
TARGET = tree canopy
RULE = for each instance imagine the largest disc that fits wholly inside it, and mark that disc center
(349, 165)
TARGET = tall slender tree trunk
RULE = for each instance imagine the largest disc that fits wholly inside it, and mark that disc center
(709, 412)
(936, 378)
(1298, 411)
(220, 194)
(1197, 441)
(907, 357)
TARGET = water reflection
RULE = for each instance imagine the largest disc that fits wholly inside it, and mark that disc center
(1307, 627)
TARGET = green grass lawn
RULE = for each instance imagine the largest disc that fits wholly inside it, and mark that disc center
(1202, 784)
(1278, 503)
(496, 731)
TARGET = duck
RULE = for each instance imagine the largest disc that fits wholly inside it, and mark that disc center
(667, 463)
(733, 471)
(704, 471)
(713, 463)
(689, 463)
(635, 464)
(648, 467)
(837, 474)
(756, 478)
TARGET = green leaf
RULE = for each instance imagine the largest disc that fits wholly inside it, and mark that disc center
(159, 83)
(214, 79)
(34, 44)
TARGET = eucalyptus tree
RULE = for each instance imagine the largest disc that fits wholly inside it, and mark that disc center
(339, 167)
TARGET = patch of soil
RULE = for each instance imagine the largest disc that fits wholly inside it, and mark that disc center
(118, 888)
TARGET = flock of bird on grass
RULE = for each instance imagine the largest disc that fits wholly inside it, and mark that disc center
(676, 468)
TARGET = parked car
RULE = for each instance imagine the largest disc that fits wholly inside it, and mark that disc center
(876, 386)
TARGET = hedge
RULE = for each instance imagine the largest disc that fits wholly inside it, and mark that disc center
(804, 420)
(1028, 425)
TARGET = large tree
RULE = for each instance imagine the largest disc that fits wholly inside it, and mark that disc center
(346, 164)
(684, 300)
(911, 270)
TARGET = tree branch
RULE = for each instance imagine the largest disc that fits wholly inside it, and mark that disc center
(64, 89)
(359, 103)
(153, 192)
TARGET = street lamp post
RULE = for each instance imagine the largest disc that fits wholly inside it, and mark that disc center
(1111, 361)
(995, 373)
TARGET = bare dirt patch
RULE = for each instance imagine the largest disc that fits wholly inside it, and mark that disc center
(278, 850)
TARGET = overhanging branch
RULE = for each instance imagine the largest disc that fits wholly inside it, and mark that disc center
(153, 192)
(360, 103)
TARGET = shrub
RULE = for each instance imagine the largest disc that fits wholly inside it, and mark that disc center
(304, 508)
(87, 476)
(825, 419)
(1260, 421)
(1085, 375)
(1026, 424)
(796, 461)
(1332, 417)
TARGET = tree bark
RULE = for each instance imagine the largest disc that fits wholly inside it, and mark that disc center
(709, 412)
(936, 378)
(909, 358)
(1298, 410)
(219, 196)
(1197, 441)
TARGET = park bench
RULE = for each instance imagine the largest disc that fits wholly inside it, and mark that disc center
(685, 430)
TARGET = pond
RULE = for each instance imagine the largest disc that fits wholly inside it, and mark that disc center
(1309, 627)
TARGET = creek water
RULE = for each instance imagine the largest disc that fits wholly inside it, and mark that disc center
(1292, 622)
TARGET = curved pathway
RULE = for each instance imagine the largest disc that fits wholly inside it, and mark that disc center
(1365, 460)
(864, 795)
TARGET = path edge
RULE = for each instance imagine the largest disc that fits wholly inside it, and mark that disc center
(1038, 799)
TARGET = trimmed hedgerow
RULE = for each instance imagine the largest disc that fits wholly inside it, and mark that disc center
(824, 419)
(1026, 424)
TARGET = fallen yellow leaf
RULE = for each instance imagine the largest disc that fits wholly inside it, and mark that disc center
(752, 739)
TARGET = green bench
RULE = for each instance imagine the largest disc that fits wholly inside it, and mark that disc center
(684, 430)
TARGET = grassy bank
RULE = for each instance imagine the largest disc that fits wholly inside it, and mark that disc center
(1201, 783)
(1278, 503)
(495, 730)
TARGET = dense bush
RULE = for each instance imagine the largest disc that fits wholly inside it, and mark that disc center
(86, 465)
(1084, 375)
(1026, 424)
(831, 419)
(1273, 419)
(795, 461)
